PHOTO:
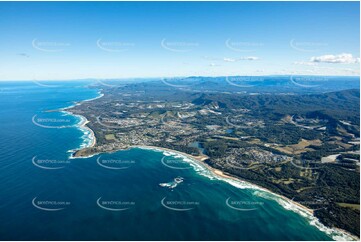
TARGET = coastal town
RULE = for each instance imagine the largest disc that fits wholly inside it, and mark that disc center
(180, 120)
(271, 145)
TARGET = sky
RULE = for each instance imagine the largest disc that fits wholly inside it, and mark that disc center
(77, 40)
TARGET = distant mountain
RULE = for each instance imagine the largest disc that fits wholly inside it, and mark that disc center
(271, 84)
(341, 104)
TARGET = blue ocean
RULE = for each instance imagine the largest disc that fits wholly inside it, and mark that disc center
(46, 195)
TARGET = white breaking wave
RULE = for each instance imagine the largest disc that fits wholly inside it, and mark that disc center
(333, 233)
(201, 169)
(87, 137)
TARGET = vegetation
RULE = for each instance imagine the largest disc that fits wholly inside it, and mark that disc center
(303, 144)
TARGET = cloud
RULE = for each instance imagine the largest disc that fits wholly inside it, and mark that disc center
(341, 58)
(229, 59)
(213, 64)
(328, 70)
(305, 63)
(210, 58)
(351, 71)
(250, 58)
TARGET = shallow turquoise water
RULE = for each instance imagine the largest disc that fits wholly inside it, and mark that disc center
(84, 200)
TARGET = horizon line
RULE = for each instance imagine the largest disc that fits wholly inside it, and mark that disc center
(203, 76)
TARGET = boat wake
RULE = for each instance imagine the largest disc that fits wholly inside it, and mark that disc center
(201, 169)
(172, 184)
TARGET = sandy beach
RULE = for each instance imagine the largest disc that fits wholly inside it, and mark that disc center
(340, 233)
(218, 173)
(200, 160)
(85, 121)
(92, 134)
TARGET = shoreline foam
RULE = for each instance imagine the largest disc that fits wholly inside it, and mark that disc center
(288, 204)
(197, 162)
(89, 139)
(204, 169)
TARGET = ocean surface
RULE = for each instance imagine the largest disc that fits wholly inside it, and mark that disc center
(45, 195)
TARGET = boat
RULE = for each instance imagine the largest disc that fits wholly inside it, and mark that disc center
(173, 183)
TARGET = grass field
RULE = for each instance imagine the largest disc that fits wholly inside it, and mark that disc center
(109, 137)
(349, 205)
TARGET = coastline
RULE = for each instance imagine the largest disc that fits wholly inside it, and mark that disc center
(82, 125)
(334, 233)
(92, 134)
(216, 172)
(340, 233)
